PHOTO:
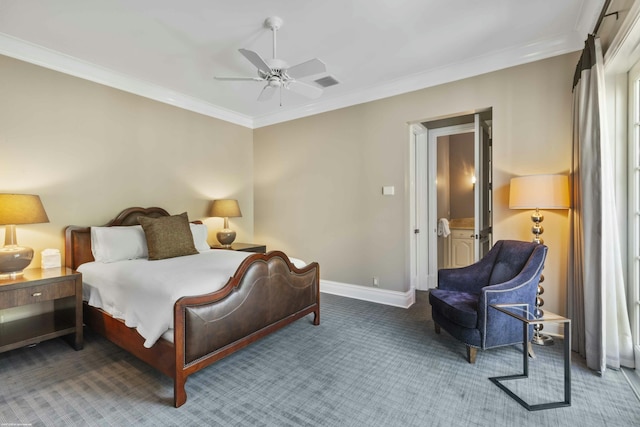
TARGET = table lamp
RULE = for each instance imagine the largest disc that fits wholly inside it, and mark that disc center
(539, 192)
(17, 209)
(226, 208)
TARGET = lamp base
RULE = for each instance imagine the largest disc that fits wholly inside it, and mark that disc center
(226, 237)
(13, 260)
(542, 340)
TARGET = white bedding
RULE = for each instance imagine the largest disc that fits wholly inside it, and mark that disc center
(148, 306)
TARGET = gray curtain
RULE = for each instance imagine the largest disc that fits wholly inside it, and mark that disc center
(596, 292)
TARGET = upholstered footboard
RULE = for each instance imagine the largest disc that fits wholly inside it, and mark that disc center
(266, 293)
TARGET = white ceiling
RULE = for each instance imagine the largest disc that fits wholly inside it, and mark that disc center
(169, 50)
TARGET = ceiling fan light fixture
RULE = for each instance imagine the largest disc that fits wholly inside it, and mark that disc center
(276, 73)
(275, 82)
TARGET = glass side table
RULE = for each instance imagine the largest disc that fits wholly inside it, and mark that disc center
(524, 313)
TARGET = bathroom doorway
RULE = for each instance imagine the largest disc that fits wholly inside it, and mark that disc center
(452, 194)
(455, 183)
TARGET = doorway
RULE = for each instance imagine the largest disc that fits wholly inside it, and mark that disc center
(451, 194)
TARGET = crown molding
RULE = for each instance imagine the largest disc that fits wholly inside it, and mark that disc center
(541, 49)
(588, 16)
(47, 58)
(623, 49)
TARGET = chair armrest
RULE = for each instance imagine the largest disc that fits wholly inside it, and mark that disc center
(471, 278)
(520, 289)
(514, 291)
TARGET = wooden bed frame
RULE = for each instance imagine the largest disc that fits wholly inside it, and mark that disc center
(266, 293)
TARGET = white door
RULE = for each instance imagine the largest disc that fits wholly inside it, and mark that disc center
(482, 191)
(425, 195)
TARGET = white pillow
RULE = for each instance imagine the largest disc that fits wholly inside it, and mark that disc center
(200, 235)
(111, 244)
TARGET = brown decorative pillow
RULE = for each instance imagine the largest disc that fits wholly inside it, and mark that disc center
(168, 236)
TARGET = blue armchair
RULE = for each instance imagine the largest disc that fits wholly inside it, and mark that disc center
(509, 273)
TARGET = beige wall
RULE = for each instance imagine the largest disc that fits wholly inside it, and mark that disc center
(318, 180)
(90, 151)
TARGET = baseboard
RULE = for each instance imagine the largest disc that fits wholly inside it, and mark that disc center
(377, 295)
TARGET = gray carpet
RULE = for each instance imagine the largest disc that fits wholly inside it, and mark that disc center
(365, 365)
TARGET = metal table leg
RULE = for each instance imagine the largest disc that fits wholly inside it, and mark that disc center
(525, 372)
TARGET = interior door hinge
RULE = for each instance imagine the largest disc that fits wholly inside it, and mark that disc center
(416, 231)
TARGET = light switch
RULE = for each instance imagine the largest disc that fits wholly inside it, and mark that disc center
(388, 190)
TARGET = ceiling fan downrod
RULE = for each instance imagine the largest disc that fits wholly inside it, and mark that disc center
(274, 23)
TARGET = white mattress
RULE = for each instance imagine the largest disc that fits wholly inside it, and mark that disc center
(148, 306)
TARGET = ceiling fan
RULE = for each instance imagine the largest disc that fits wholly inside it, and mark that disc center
(277, 73)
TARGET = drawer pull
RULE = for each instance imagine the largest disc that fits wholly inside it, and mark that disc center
(36, 294)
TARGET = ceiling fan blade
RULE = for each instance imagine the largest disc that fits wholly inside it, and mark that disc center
(305, 89)
(239, 79)
(256, 60)
(308, 68)
(267, 93)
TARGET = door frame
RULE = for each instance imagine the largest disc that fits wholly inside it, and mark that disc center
(422, 198)
(417, 138)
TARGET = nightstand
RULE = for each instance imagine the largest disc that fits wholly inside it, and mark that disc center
(244, 247)
(61, 287)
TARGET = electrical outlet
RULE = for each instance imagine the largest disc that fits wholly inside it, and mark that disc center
(376, 282)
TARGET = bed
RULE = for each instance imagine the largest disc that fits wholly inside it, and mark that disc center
(266, 293)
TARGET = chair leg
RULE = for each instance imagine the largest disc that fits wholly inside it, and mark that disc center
(471, 354)
(437, 328)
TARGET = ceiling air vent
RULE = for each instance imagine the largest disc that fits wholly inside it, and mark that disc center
(326, 81)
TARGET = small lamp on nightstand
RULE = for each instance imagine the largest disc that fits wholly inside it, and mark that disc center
(17, 209)
(226, 208)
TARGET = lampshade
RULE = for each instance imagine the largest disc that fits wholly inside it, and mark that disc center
(539, 191)
(17, 209)
(21, 209)
(225, 208)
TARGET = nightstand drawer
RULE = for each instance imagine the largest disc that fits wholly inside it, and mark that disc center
(35, 294)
